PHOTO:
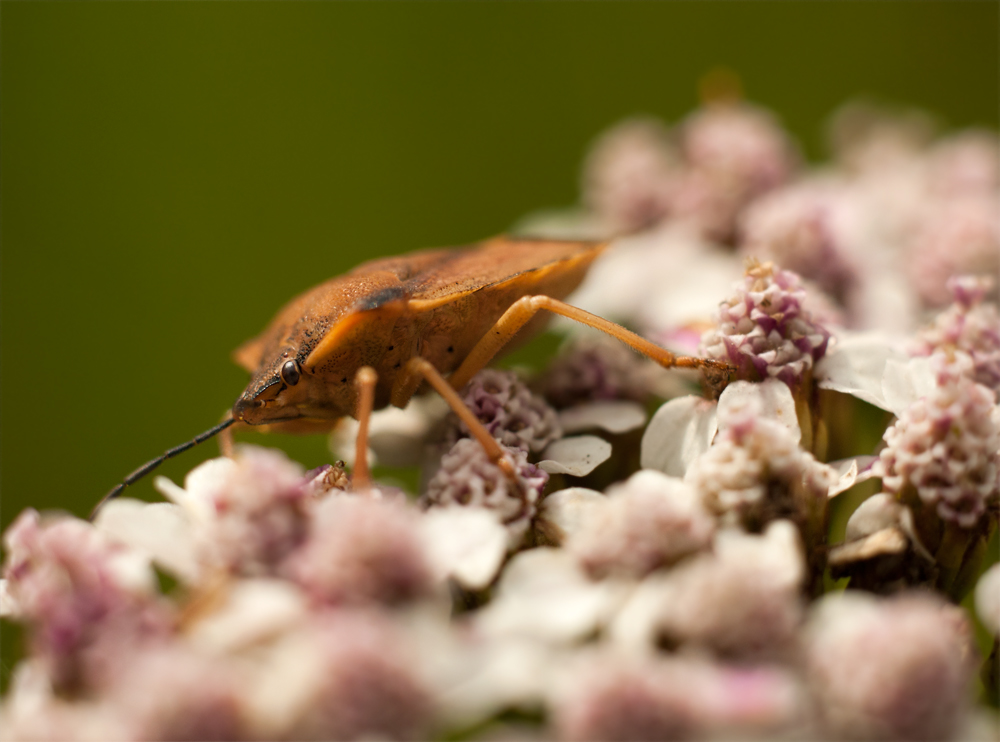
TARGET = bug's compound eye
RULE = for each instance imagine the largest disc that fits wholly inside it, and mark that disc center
(290, 372)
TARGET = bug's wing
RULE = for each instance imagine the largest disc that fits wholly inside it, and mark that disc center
(313, 321)
(491, 263)
(320, 308)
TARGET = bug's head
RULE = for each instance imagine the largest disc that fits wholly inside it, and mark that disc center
(278, 391)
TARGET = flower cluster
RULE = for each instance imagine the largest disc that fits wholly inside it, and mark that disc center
(765, 330)
(468, 477)
(946, 446)
(971, 326)
(613, 567)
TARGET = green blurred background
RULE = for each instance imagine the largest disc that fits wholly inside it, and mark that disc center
(173, 172)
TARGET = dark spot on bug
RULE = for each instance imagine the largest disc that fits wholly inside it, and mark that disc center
(391, 347)
(397, 365)
(451, 348)
(378, 298)
(344, 380)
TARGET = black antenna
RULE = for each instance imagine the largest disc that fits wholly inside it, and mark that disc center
(150, 465)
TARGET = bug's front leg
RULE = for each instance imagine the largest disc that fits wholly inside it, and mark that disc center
(365, 380)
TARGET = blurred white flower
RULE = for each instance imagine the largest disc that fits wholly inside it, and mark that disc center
(86, 599)
(988, 599)
(649, 521)
(733, 153)
(629, 174)
(362, 550)
(805, 228)
(895, 668)
(247, 513)
(545, 595)
(742, 600)
(658, 281)
(954, 237)
(602, 695)
(965, 163)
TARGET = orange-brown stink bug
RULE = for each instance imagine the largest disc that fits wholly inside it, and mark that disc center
(369, 338)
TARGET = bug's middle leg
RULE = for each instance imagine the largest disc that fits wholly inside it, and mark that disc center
(416, 370)
(522, 310)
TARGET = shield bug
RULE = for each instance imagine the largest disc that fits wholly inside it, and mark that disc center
(371, 337)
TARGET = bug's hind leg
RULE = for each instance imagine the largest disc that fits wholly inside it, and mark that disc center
(365, 380)
(420, 368)
(716, 373)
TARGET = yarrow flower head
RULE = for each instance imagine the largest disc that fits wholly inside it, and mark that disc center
(628, 175)
(756, 469)
(742, 599)
(797, 227)
(649, 521)
(87, 599)
(249, 512)
(619, 700)
(171, 691)
(969, 326)
(510, 411)
(889, 669)
(733, 153)
(946, 446)
(362, 550)
(467, 477)
(953, 237)
(966, 163)
(596, 368)
(765, 330)
(366, 685)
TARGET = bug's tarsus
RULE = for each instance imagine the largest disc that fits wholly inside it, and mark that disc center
(146, 468)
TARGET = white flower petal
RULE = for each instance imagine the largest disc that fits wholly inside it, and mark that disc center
(568, 508)
(283, 684)
(781, 546)
(132, 571)
(855, 365)
(903, 383)
(466, 543)
(9, 607)
(614, 416)
(500, 674)
(773, 397)
(635, 628)
(396, 437)
(850, 472)
(543, 594)
(988, 599)
(578, 455)
(875, 514)
(159, 530)
(252, 611)
(680, 431)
